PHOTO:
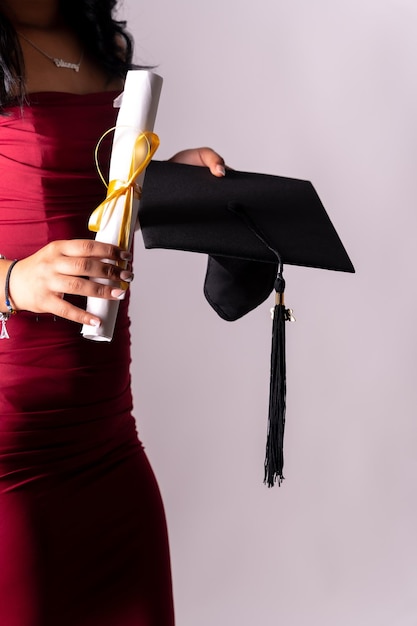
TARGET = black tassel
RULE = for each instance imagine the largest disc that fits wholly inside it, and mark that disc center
(274, 458)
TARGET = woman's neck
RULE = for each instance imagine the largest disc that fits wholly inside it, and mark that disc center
(32, 14)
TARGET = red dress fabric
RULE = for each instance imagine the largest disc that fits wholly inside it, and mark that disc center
(83, 539)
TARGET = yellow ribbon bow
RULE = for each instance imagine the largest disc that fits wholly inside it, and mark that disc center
(144, 148)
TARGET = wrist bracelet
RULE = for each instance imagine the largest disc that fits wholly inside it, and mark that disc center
(10, 310)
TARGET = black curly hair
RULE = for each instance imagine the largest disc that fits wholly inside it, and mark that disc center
(93, 21)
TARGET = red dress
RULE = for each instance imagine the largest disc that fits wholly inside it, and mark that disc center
(83, 539)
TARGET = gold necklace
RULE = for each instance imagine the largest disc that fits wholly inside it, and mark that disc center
(56, 60)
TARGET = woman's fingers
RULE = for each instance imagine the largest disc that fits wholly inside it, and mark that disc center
(62, 308)
(93, 268)
(87, 248)
(78, 286)
(68, 266)
(205, 157)
(73, 267)
(213, 161)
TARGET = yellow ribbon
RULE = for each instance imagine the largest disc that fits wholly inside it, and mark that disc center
(144, 148)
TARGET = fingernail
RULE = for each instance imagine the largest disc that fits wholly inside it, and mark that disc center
(126, 276)
(221, 170)
(118, 293)
(126, 256)
(95, 323)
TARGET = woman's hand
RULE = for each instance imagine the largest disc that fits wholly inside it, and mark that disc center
(39, 282)
(205, 157)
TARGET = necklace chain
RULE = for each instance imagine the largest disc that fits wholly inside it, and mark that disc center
(56, 60)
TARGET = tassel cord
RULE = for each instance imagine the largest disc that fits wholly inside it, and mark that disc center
(254, 228)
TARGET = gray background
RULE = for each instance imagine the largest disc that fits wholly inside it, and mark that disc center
(325, 91)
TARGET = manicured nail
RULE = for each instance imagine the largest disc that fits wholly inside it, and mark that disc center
(221, 170)
(126, 276)
(118, 293)
(95, 323)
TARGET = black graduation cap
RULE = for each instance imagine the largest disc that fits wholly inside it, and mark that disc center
(250, 225)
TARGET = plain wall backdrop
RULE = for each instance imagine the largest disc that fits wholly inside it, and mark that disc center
(325, 91)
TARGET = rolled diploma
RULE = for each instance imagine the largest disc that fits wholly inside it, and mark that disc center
(139, 104)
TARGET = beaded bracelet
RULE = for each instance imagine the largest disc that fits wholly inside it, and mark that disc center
(10, 310)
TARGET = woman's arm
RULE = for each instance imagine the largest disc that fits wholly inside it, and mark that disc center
(39, 282)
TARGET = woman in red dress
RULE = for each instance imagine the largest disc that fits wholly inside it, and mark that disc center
(83, 539)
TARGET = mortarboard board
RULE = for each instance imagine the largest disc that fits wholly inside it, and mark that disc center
(249, 225)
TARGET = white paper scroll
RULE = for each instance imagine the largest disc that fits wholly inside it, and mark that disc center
(138, 107)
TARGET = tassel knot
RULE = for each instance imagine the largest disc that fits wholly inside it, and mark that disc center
(279, 283)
